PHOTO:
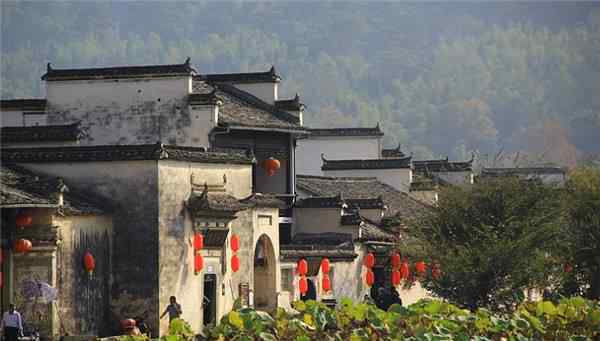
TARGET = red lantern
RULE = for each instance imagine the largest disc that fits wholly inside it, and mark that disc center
(235, 242)
(302, 267)
(89, 263)
(235, 263)
(369, 260)
(404, 270)
(326, 285)
(198, 263)
(271, 166)
(23, 245)
(23, 219)
(420, 267)
(568, 267)
(370, 278)
(396, 260)
(198, 241)
(325, 266)
(303, 285)
(396, 278)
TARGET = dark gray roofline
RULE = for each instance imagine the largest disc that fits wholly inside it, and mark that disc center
(120, 72)
(122, 153)
(270, 76)
(49, 133)
(357, 131)
(396, 163)
(34, 104)
(523, 170)
(442, 165)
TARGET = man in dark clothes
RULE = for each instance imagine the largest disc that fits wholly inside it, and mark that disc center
(12, 324)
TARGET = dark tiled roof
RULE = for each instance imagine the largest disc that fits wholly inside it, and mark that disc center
(327, 238)
(200, 203)
(315, 252)
(320, 202)
(209, 98)
(522, 171)
(442, 165)
(393, 153)
(365, 203)
(366, 164)
(369, 231)
(122, 153)
(290, 104)
(243, 110)
(263, 200)
(358, 188)
(270, 76)
(24, 104)
(51, 133)
(23, 188)
(375, 131)
(116, 72)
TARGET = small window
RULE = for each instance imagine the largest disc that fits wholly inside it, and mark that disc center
(287, 280)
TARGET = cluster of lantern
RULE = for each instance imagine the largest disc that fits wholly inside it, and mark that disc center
(23, 219)
(325, 282)
(401, 269)
(271, 166)
(369, 262)
(198, 245)
(302, 269)
(235, 246)
(89, 263)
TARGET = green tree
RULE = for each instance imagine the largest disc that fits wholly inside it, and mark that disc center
(491, 241)
(581, 233)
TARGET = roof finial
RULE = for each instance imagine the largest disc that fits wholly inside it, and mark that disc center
(399, 148)
(49, 66)
(323, 157)
(187, 61)
(297, 98)
(377, 126)
(272, 70)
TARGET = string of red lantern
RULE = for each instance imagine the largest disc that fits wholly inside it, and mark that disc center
(235, 246)
(302, 269)
(198, 246)
(271, 166)
(23, 245)
(325, 282)
(404, 270)
(89, 263)
(396, 277)
(369, 262)
(420, 268)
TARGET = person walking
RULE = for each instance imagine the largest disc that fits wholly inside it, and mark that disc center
(12, 324)
(173, 309)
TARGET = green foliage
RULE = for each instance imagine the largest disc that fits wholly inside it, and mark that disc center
(580, 242)
(571, 319)
(443, 79)
(491, 240)
(179, 330)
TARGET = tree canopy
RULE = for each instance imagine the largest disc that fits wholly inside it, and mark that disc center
(443, 79)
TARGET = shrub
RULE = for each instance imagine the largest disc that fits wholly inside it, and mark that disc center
(570, 319)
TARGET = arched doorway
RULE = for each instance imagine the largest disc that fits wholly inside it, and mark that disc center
(265, 293)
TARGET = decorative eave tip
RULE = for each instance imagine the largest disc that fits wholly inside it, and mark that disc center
(274, 75)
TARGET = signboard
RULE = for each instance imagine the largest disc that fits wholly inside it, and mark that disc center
(244, 294)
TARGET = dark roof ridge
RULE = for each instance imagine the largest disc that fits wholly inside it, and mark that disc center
(347, 131)
(46, 133)
(123, 71)
(253, 100)
(382, 163)
(270, 76)
(157, 151)
(342, 178)
(292, 104)
(23, 103)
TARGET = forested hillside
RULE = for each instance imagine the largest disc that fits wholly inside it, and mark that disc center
(442, 79)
